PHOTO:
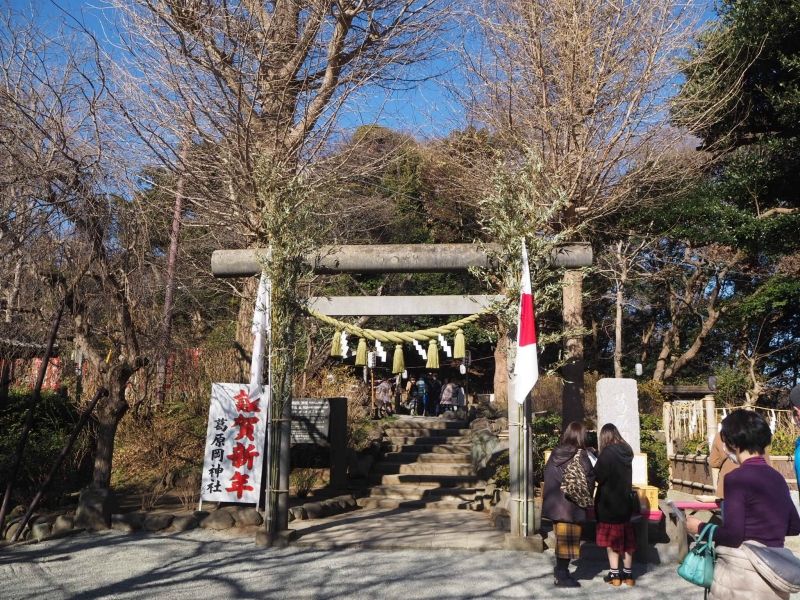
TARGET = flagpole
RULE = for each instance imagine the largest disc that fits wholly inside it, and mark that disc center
(514, 424)
(521, 380)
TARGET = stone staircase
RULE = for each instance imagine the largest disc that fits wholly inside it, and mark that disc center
(428, 466)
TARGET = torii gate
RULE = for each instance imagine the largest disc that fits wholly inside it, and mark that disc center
(408, 258)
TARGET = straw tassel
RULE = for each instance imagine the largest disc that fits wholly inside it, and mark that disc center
(336, 344)
(398, 362)
(361, 353)
(433, 355)
(459, 346)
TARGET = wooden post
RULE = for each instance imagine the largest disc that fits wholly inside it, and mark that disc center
(711, 419)
(372, 392)
(666, 412)
(530, 517)
(666, 423)
(522, 534)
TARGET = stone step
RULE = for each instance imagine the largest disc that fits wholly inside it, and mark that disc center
(426, 504)
(425, 492)
(423, 432)
(425, 423)
(432, 448)
(431, 468)
(427, 457)
(428, 440)
(417, 479)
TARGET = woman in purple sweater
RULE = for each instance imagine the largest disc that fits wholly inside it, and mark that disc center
(757, 508)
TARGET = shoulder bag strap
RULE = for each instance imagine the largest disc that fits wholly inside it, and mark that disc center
(712, 529)
(709, 530)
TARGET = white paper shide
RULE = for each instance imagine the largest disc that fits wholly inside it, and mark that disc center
(235, 437)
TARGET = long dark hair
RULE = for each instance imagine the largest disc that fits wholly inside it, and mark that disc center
(574, 435)
(610, 435)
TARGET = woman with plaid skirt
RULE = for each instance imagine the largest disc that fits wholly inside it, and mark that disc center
(613, 506)
(566, 515)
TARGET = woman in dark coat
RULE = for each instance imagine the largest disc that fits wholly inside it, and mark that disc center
(612, 504)
(566, 515)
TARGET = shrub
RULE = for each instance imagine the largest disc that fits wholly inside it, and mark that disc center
(783, 443)
(499, 468)
(152, 453)
(696, 445)
(656, 449)
(337, 381)
(731, 387)
(651, 397)
(546, 435)
(549, 390)
(304, 480)
(54, 418)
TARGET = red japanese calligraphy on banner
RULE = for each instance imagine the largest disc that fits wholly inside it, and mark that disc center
(234, 444)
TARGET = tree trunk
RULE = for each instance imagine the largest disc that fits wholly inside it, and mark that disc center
(646, 335)
(501, 367)
(572, 408)
(172, 259)
(663, 355)
(108, 417)
(697, 344)
(618, 331)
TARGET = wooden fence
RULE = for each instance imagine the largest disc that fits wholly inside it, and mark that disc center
(690, 427)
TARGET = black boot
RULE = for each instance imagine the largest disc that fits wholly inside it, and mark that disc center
(561, 572)
(563, 579)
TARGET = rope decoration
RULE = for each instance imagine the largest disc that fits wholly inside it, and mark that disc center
(397, 337)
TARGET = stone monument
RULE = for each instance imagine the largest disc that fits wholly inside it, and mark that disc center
(618, 403)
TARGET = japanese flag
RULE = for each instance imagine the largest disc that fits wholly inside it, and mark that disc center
(526, 366)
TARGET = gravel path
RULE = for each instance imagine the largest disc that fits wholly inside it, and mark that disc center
(201, 564)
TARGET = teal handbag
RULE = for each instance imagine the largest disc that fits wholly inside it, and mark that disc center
(698, 566)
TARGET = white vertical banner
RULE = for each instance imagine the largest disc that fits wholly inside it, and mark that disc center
(260, 330)
(235, 437)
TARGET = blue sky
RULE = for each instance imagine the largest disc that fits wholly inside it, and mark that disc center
(424, 109)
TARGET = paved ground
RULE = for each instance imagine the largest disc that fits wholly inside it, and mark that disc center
(398, 529)
(200, 565)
